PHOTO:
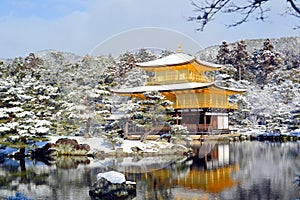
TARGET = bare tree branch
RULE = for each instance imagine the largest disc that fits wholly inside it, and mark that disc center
(294, 6)
(247, 11)
(208, 9)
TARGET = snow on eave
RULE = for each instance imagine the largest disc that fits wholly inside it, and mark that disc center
(208, 64)
(173, 88)
(173, 59)
(237, 90)
(163, 88)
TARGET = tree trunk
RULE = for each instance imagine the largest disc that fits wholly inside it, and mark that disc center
(143, 137)
(89, 121)
(87, 128)
(126, 130)
(240, 73)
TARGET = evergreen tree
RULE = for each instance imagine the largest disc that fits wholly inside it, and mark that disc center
(28, 104)
(151, 113)
(266, 60)
(113, 133)
(179, 132)
(238, 57)
(125, 63)
(241, 59)
(223, 56)
(165, 53)
(295, 116)
(143, 55)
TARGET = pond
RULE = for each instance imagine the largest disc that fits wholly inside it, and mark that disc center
(236, 170)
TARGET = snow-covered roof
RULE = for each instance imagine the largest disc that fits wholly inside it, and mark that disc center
(175, 59)
(172, 87)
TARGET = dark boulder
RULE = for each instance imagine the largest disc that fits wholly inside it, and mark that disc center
(106, 188)
(45, 150)
(66, 146)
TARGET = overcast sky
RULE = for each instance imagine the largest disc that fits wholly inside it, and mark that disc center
(83, 26)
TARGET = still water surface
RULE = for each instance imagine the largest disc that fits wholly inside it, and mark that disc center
(239, 170)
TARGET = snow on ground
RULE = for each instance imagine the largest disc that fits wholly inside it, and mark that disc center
(98, 144)
(148, 146)
(95, 143)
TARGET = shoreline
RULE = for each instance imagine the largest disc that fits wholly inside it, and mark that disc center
(99, 148)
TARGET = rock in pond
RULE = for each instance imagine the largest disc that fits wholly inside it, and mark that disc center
(112, 185)
(66, 146)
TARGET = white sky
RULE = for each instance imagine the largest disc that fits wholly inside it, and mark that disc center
(81, 26)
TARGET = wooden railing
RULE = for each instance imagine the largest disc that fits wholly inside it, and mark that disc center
(206, 105)
(172, 80)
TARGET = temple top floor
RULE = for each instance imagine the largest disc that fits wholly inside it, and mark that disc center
(177, 68)
(177, 60)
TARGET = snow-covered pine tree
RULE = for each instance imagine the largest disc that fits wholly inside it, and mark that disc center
(179, 132)
(241, 59)
(151, 113)
(28, 104)
(144, 55)
(113, 133)
(223, 56)
(266, 60)
(125, 63)
(129, 75)
(295, 116)
(164, 53)
(292, 59)
(87, 94)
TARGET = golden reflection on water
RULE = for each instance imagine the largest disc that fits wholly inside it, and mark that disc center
(205, 174)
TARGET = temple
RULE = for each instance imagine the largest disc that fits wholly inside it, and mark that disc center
(199, 103)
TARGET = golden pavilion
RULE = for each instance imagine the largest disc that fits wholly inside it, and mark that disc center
(199, 103)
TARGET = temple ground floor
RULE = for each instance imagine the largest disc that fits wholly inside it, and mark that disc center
(197, 121)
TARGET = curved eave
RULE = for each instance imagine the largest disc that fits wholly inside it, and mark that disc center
(231, 91)
(162, 88)
(210, 65)
(176, 87)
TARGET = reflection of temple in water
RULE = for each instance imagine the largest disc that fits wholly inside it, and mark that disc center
(210, 171)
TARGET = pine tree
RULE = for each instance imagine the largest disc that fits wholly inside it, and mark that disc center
(223, 56)
(125, 63)
(113, 133)
(85, 89)
(151, 113)
(143, 55)
(266, 60)
(295, 116)
(28, 104)
(241, 59)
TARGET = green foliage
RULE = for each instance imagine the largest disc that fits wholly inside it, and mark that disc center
(113, 133)
(179, 132)
(151, 113)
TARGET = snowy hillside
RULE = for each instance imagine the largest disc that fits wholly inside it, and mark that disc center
(284, 45)
(54, 56)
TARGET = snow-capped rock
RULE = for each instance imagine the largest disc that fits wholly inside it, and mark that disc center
(112, 176)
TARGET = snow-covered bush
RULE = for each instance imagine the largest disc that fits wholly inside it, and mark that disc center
(179, 132)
